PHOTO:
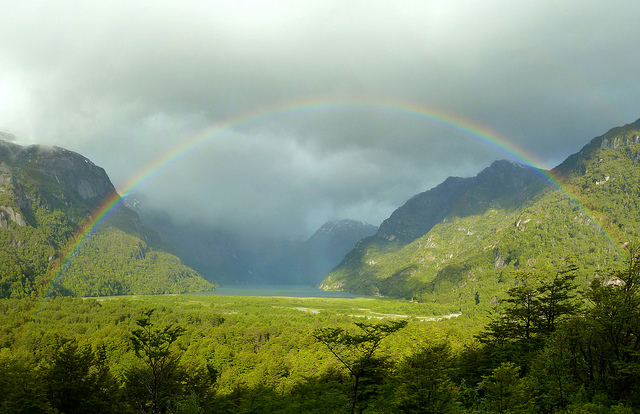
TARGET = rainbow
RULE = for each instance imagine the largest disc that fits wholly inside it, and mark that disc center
(216, 131)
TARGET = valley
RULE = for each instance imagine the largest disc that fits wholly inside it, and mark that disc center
(516, 285)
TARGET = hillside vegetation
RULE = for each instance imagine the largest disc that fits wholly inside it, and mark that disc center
(470, 255)
(47, 196)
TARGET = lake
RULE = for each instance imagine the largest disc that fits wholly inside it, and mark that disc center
(296, 291)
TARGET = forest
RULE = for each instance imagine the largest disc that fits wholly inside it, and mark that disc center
(546, 347)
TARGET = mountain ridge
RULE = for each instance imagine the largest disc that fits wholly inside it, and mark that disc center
(422, 211)
(468, 259)
(611, 139)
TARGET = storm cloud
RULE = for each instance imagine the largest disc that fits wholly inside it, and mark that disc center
(125, 83)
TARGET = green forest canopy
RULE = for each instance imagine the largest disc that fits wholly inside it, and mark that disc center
(546, 347)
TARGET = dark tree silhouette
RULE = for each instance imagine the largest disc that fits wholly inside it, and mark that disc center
(356, 350)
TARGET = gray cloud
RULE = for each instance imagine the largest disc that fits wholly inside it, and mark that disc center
(125, 82)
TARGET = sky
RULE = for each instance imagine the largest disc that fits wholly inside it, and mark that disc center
(271, 117)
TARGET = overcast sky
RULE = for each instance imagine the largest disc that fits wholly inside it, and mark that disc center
(125, 82)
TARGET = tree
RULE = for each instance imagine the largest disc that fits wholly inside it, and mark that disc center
(534, 308)
(504, 390)
(79, 380)
(556, 298)
(23, 387)
(356, 350)
(609, 336)
(552, 373)
(154, 387)
(424, 382)
(522, 304)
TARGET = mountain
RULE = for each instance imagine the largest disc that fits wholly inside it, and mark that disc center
(502, 185)
(47, 196)
(307, 262)
(461, 242)
(329, 244)
(215, 253)
(223, 257)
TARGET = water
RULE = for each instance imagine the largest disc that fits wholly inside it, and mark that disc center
(296, 291)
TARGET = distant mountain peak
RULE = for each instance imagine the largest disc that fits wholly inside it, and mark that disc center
(506, 166)
(506, 163)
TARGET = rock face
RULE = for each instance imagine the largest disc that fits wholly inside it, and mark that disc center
(74, 171)
(7, 213)
(57, 166)
(499, 185)
(34, 176)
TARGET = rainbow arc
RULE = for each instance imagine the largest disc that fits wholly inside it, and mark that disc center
(219, 130)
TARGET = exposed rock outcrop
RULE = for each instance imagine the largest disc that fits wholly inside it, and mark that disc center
(8, 213)
(61, 168)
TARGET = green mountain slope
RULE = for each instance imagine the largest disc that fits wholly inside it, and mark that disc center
(115, 263)
(47, 195)
(467, 259)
